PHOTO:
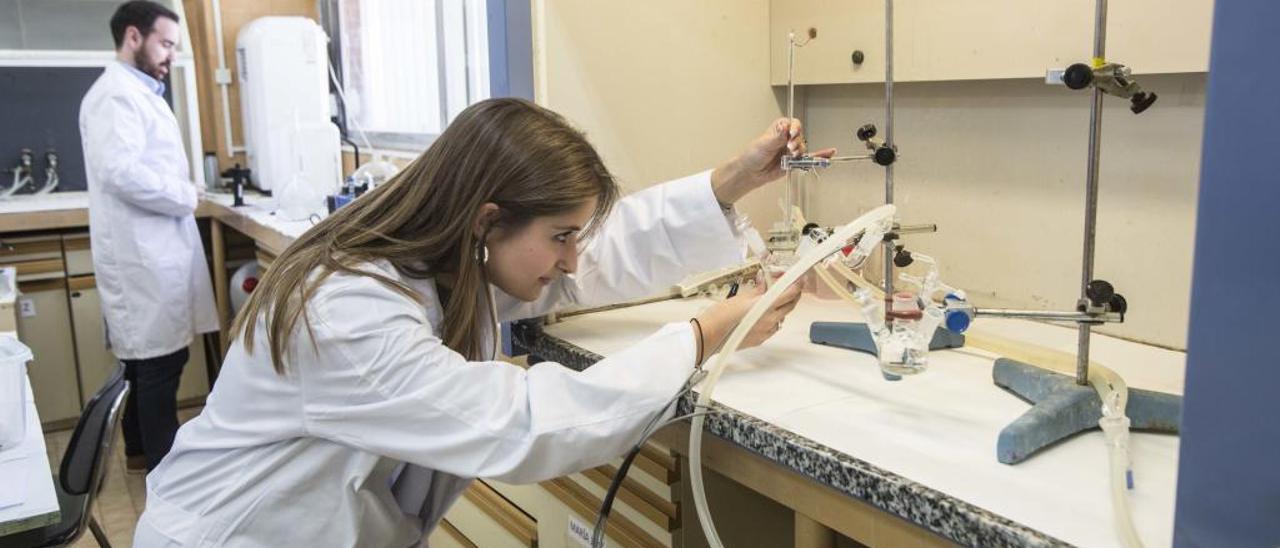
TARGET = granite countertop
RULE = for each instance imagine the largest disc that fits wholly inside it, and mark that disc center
(957, 509)
(954, 519)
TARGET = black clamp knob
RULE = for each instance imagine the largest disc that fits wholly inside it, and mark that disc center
(1078, 76)
(1141, 101)
(1118, 305)
(902, 258)
(1099, 292)
(867, 132)
(885, 156)
(808, 228)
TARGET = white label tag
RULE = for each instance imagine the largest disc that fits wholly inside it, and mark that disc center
(579, 533)
(27, 308)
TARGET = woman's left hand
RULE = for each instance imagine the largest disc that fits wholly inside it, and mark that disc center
(761, 163)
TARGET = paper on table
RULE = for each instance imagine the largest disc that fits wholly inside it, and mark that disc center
(13, 474)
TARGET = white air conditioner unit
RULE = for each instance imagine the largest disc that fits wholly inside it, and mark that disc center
(284, 104)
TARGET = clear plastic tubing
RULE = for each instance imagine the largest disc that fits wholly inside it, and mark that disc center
(871, 219)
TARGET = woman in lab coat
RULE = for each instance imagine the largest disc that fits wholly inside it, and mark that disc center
(361, 392)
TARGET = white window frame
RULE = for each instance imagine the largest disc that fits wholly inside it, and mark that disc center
(462, 59)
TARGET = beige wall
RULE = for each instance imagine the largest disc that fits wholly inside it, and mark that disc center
(668, 88)
(1000, 166)
(662, 88)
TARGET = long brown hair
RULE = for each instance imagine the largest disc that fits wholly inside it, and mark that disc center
(513, 153)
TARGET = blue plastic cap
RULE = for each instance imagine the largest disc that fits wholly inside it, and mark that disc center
(958, 320)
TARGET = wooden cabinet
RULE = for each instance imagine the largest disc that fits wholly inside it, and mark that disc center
(645, 513)
(983, 39)
(59, 315)
(95, 360)
(195, 376)
(79, 258)
(44, 325)
(561, 513)
(485, 518)
(446, 535)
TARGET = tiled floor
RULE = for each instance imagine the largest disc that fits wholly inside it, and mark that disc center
(123, 496)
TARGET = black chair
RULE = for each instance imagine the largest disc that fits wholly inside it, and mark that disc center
(83, 469)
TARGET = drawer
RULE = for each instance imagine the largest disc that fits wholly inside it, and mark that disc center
(40, 269)
(446, 535)
(29, 248)
(488, 519)
(79, 257)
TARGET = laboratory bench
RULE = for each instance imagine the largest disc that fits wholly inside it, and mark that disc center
(816, 431)
(819, 430)
(46, 239)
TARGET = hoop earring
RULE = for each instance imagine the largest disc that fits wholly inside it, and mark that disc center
(482, 253)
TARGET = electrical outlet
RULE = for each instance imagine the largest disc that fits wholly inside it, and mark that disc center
(27, 308)
(1053, 76)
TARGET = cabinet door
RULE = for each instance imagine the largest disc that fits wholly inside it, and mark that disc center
(77, 253)
(446, 535)
(195, 377)
(44, 324)
(96, 361)
(486, 518)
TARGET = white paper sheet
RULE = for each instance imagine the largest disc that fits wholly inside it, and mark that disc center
(14, 474)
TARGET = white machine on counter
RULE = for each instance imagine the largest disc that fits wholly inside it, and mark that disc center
(293, 148)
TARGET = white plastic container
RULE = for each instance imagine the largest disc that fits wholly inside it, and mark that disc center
(13, 391)
(284, 104)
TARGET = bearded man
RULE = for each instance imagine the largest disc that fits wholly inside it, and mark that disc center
(147, 255)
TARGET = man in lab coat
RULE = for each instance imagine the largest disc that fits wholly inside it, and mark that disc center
(147, 256)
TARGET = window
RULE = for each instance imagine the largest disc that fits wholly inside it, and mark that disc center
(407, 67)
(65, 25)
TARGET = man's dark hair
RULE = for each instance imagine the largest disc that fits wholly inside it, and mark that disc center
(140, 14)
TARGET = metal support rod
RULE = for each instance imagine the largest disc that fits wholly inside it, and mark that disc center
(1091, 190)
(1049, 315)
(792, 190)
(855, 158)
(915, 229)
(888, 141)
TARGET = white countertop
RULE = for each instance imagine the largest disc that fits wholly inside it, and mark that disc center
(262, 210)
(31, 203)
(938, 428)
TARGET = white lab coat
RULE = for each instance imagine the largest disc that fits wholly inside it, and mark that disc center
(147, 257)
(314, 458)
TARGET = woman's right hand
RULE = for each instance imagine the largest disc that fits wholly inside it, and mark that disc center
(720, 319)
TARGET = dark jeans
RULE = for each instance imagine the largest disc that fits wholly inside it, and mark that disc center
(151, 413)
